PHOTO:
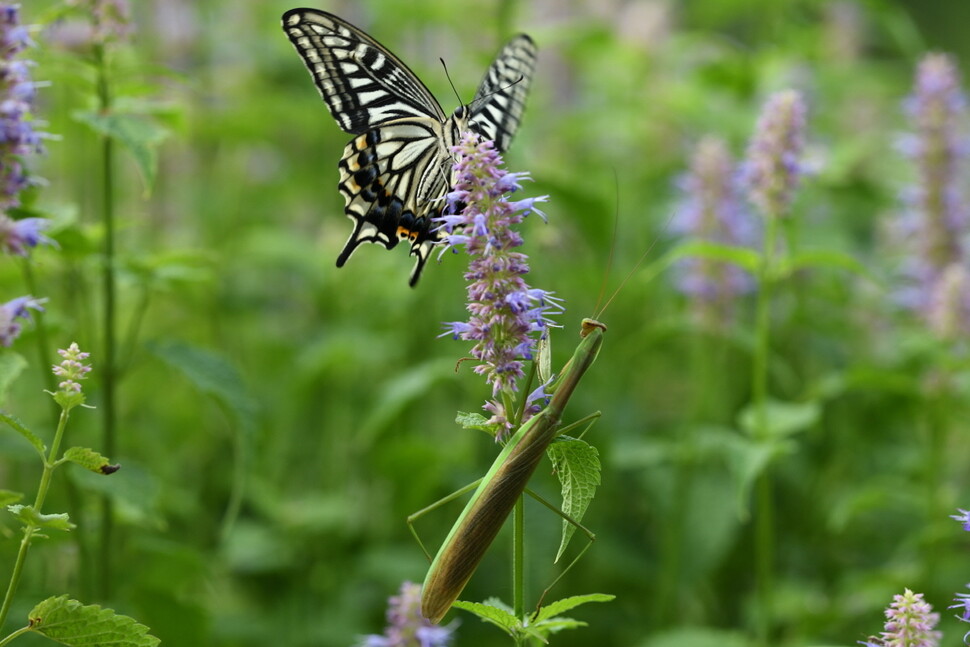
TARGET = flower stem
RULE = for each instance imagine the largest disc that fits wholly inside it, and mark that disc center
(30, 528)
(108, 288)
(9, 639)
(764, 548)
(518, 558)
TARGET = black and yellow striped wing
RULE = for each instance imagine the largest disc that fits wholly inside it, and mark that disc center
(395, 173)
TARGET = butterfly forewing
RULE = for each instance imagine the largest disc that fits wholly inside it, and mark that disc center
(362, 82)
(395, 173)
(500, 101)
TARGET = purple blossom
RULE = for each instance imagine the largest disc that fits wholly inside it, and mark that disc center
(936, 214)
(17, 236)
(711, 210)
(406, 627)
(773, 166)
(10, 311)
(963, 517)
(506, 315)
(17, 135)
(910, 622)
(962, 602)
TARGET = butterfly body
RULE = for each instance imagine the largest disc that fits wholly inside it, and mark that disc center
(396, 171)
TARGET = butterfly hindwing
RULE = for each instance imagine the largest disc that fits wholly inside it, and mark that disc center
(395, 173)
(391, 179)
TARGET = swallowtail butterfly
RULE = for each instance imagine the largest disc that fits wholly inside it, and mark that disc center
(396, 171)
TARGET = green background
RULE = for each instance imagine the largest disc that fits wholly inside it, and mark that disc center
(279, 418)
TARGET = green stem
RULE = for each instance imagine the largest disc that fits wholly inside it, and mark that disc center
(518, 558)
(763, 531)
(50, 384)
(9, 639)
(30, 528)
(108, 287)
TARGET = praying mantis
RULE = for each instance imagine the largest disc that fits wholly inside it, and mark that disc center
(502, 485)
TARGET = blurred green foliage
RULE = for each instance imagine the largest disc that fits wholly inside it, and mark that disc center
(280, 418)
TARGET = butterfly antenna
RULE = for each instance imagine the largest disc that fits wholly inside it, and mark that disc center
(500, 89)
(450, 82)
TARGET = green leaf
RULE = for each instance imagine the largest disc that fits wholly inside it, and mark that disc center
(747, 458)
(553, 625)
(826, 259)
(561, 606)
(782, 419)
(473, 421)
(11, 366)
(90, 459)
(138, 133)
(499, 617)
(21, 429)
(28, 516)
(71, 623)
(213, 375)
(577, 464)
(743, 257)
(8, 497)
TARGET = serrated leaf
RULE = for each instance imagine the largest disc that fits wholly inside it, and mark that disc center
(12, 365)
(577, 464)
(21, 429)
(29, 516)
(561, 606)
(552, 625)
(8, 497)
(91, 460)
(473, 421)
(71, 623)
(140, 135)
(501, 618)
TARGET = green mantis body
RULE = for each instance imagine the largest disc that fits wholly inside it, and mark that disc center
(501, 487)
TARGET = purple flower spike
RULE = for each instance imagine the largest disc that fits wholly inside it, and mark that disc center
(17, 135)
(773, 166)
(910, 622)
(507, 316)
(711, 210)
(936, 209)
(406, 627)
(10, 311)
(948, 310)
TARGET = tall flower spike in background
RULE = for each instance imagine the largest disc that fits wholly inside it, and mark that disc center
(19, 137)
(712, 211)
(506, 315)
(773, 166)
(937, 211)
